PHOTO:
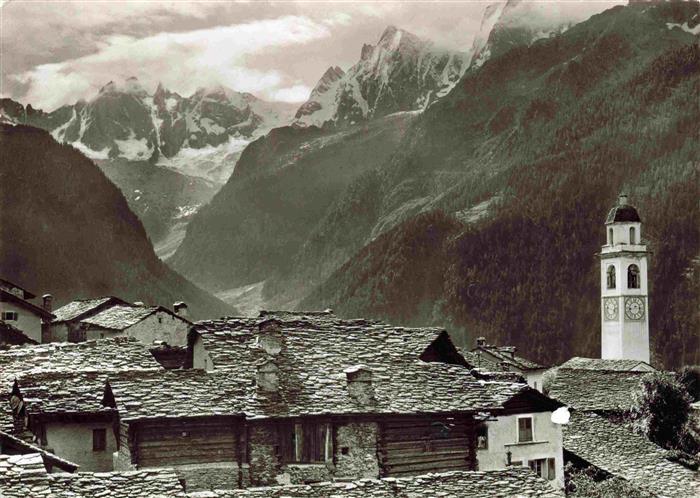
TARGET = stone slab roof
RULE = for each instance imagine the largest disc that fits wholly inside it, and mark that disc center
(595, 390)
(616, 449)
(79, 308)
(147, 483)
(513, 482)
(63, 392)
(15, 445)
(120, 317)
(317, 350)
(90, 356)
(24, 476)
(502, 354)
(579, 363)
(407, 388)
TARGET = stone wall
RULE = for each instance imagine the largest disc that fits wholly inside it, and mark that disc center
(356, 451)
(264, 461)
(207, 476)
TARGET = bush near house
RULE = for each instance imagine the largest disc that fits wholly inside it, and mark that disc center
(590, 483)
(661, 412)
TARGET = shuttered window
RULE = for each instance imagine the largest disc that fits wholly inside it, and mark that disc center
(544, 467)
(305, 442)
(525, 430)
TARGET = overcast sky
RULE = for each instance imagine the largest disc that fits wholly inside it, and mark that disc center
(56, 52)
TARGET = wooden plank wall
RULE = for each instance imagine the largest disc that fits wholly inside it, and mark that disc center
(418, 445)
(186, 441)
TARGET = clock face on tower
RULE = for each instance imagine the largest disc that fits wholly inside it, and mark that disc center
(634, 308)
(610, 308)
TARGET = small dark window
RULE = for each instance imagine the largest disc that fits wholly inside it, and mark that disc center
(544, 467)
(10, 316)
(611, 277)
(633, 277)
(633, 239)
(99, 439)
(525, 429)
(611, 241)
(482, 437)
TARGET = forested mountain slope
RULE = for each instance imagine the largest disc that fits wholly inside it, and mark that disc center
(549, 134)
(67, 230)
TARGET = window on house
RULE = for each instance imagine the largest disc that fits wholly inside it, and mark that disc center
(305, 443)
(99, 439)
(482, 437)
(10, 316)
(544, 467)
(611, 277)
(77, 335)
(633, 236)
(525, 429)
(610, 236)
(633, 277)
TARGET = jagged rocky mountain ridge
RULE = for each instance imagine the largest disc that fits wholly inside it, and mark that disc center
(200, 135)
(402, 72)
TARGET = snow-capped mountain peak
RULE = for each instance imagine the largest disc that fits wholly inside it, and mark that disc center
(401, 72)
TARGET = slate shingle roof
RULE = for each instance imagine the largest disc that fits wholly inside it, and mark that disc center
(78, 308)
(319, 347)
(24, 476)
(90, 356)
(513, 482)
(120, 317)
(12, 444)
(415, 387)
(63, 392)
(595, 390)
(616, 449)
(619, 365)
(502, 354)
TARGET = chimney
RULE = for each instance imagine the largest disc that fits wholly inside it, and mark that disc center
(48, 302)
(270, 336)
(480, 342)
(509, 350)
(180, 308)
(359, 379)
(267, 376)
(622, 200)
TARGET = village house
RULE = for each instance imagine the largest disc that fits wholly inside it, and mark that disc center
(489, 358)
(63, 411)
(110, 317)
(48, 392)
(309, 361)
(66, 325)
(17, 310)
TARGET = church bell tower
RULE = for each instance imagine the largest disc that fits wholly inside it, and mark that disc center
(624, 291)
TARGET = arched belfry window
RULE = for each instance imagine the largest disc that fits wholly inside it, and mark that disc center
(633, 277)
(610, 236)
(611, 277)
(633, 239)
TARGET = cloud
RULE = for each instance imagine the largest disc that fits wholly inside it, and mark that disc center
(181, 61)
(293, 94)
